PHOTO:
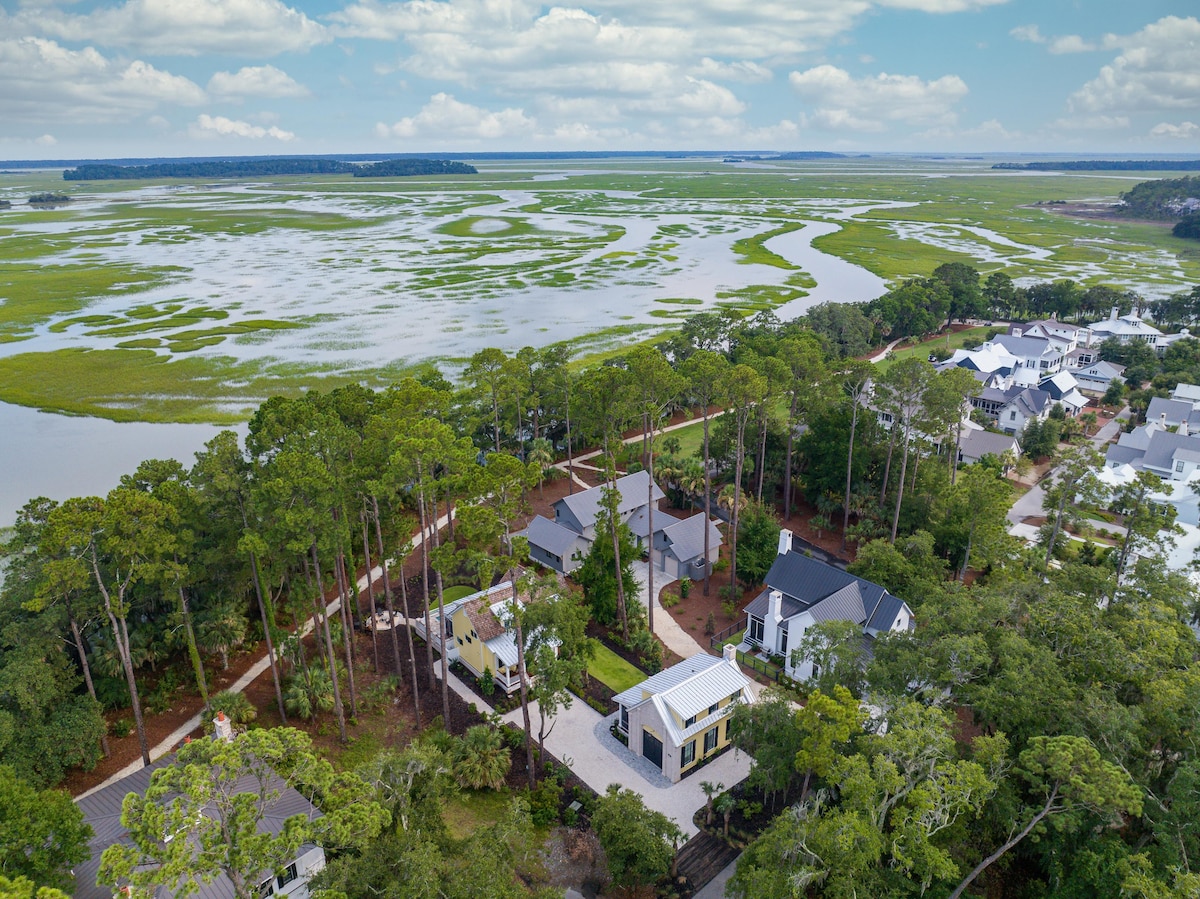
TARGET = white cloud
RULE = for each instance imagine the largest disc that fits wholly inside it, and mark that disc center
(208, 127)
(941, 6)
(41, 81)
(745, 71)
(869, 104)
(1157, 68)
(46, 140)
(256, 81)
(186, 27)
(1071, 43)
(1030, 33)
(1182, 131)
(445, 117)
(1093, 123)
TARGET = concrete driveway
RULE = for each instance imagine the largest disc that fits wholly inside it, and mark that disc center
(666, 627)
(582, 741)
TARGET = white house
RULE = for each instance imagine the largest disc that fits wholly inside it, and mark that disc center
(1035, 354)
(801, 592)
(1173, 456)
(677, 718)
(1066, 337)
(1097, 377)
(1125, 329)
(1064, 389)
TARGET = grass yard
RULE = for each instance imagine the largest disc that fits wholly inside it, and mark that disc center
(469, 810)
(923, 349)
(450, 594)
(613, 671)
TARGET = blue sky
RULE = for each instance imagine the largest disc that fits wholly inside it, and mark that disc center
(203, 77)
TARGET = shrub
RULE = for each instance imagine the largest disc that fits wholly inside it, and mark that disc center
(685, 587)
(710, 624)
(720, 565)
(669, 600)
(729, 608)
(544, 802)
(487, 683)
(308, 698)
(122, 727)
(237, 708)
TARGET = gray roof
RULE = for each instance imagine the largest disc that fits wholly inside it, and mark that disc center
(550, 536)
(974, 444)
(1026, 347)
(886, 611)
(686, 537)
(1175, 410)
(639, 522)
(102, 810)
(1030, 400)
(585, 506)
(1122, 455)
(1163, 445)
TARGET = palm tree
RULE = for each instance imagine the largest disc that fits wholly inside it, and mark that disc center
(541, 454)
(481, 760)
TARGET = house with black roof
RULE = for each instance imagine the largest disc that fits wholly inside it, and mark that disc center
(801, 592)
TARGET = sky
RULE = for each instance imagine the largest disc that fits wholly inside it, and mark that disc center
(255, 77)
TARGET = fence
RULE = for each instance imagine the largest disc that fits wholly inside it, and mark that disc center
(766, 669)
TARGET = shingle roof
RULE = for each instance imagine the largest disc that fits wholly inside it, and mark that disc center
(586, 505)
(550, 536)
(639, 522)
(974, 444)
(1175, 410)
(1163, 446)
(483, 620)
(1025, 347)
(686, 537)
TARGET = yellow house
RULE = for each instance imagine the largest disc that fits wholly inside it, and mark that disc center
(480, 626)
(680, 716)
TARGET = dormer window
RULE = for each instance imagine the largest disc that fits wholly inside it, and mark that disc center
(690, 721)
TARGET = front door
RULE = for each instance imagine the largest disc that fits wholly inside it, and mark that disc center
(652, 748)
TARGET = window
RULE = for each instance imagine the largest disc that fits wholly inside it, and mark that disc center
(728, 721)
(267, 887)
(689, 753)
(288, 875)
(712, 708)
(624, 719)
(1179, 465)
(734, 697)
(690, 721)
(756, 630)
(1012, 416)
(710, 741)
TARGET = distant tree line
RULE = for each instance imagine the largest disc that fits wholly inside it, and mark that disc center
(1161, 199)
(256, 168)
(48, 198)
(1105, 165)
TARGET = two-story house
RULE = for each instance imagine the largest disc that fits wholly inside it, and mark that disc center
(679, 717)
(802, 591)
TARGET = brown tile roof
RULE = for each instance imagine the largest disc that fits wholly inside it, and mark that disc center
(479, 613)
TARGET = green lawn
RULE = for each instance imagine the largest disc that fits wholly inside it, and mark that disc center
(922, 350)
(450, 594)
(613, 671)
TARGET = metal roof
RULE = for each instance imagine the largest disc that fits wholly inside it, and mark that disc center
(639, 522)
(102, 810)
(687, 689)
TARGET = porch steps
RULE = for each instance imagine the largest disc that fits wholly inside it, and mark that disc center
(702, 858)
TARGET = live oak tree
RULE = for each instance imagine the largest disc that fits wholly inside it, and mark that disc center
(42, 833)
(638, 841)
(204, 815)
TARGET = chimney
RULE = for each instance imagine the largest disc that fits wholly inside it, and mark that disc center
(729, 653)
(785, 541)
(223, 728)
(1183, 428)
(775, 606)
(1162, 420)
(1112, 316)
